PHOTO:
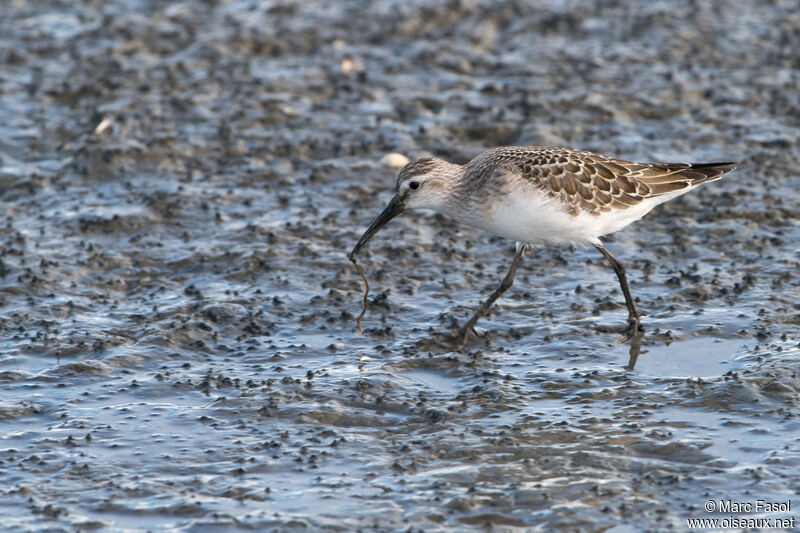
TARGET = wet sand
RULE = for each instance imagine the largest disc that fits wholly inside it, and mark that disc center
(181, 183)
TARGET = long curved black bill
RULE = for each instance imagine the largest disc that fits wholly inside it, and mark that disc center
(390, 211)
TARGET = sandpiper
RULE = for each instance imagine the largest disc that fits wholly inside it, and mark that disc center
(543, 195)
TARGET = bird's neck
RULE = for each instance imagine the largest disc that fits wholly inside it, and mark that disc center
(456, 194)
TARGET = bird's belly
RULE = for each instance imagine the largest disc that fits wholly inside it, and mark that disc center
(536, 219)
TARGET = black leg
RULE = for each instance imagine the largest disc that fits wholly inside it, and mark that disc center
(633, 314)
(504, 285)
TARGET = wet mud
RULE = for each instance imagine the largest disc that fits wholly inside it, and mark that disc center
(181, 184)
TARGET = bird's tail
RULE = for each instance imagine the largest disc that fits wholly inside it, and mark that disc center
(665, 178)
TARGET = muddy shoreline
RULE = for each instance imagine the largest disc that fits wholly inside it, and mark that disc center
(182, 182)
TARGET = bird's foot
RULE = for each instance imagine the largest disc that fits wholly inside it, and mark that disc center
(634, 328)
(463, 335)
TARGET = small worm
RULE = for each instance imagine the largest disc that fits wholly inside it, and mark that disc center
(366, 292)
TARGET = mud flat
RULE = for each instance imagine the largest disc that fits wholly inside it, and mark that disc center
(180, 185)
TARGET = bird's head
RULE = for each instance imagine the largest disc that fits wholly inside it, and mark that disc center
(421, 184)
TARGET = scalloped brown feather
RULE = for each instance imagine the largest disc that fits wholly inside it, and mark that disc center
(585, 181)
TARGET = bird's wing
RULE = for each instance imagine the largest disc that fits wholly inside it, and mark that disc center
(593, 183)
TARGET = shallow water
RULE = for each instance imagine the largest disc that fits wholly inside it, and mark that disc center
(181, 183)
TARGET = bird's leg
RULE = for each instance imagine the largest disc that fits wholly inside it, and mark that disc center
(633, 315)
(504, 285)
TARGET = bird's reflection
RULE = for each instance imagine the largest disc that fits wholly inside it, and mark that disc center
(635, 349)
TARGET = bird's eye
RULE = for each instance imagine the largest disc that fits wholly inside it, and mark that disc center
(413, 185)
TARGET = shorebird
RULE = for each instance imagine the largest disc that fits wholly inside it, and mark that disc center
(543, 195)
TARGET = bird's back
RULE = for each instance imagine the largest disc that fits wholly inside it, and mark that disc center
(540, 194)
(585, 182)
